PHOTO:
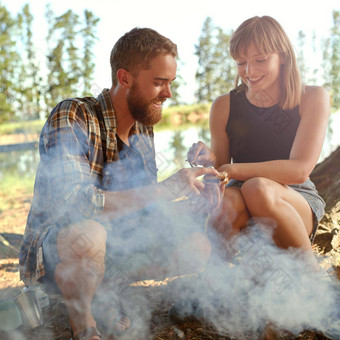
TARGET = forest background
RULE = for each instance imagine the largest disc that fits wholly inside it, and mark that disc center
(30, 87)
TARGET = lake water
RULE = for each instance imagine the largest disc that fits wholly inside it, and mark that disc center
(171, 149)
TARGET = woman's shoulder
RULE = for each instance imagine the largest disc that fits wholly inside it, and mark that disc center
(220, 109)
(314, 97)
(310, 91)
(222, 100)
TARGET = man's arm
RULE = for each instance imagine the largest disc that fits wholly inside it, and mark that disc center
(185, 182)
(66, 169)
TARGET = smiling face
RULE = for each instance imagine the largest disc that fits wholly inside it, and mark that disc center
(260, 72)
(150, 88)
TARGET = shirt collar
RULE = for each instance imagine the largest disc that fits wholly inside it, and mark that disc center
(108, 111)
(109, 114)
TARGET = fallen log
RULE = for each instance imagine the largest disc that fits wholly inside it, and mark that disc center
(326, 176)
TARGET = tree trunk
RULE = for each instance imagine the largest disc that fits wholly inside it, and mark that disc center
(326, 177)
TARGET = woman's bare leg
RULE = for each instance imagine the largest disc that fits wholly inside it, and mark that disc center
(290, 212)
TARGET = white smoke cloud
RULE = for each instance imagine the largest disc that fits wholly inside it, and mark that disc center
(262, 284)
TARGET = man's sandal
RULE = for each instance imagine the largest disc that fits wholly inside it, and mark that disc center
(86, 334)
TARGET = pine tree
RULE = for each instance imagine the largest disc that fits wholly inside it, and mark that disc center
(8, 61)
(89, 38)
(331, 61)
(29, 82)
(335, 60)
(205, 71)
(216, 71)
(175, 86)
(225, 70)
(70, 57)
(64, 77)
(301, 56)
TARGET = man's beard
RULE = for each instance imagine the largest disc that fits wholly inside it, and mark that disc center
(141, 110)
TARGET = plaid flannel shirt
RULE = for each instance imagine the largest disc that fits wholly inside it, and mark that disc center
(76, 140)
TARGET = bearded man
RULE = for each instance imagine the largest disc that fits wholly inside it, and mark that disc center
(96, 190)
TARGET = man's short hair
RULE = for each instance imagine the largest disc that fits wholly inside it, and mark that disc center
(136, 48)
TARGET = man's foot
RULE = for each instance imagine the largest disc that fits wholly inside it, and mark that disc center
(119, 325)
(91, 333)
(114, 321)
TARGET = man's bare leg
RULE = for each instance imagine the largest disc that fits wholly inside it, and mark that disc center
(81, 249)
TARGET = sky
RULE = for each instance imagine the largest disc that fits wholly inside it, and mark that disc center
(179, 20)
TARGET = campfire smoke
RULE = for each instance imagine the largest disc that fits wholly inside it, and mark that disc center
(260, 285)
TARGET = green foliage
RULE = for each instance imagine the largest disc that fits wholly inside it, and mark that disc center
(175, 99)
(216, 72)
(28, 127)
(331, 61)
(89, 39)
(8, 63)
(24, 90)
(29, 78)
(335, 60)
(183, 112)
(300, 55)
(10, 186)
(14, 183)
(70, 57)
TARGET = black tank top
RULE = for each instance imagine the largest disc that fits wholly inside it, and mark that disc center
(258, 134)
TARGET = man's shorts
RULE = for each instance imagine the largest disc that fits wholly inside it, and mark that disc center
(145, 238)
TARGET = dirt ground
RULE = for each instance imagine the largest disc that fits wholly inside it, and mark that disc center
(12, 224)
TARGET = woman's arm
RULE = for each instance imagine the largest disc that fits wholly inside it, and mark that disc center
(307, 146)
(219, 115)
(306, 149)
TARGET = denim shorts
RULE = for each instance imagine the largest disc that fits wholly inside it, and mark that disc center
(311, 195)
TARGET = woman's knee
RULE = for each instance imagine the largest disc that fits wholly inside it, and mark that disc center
(258, 194)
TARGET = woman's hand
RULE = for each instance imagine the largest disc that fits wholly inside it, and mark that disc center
(200, 154)
(185, 182)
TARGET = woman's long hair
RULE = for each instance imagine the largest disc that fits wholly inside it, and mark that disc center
(269, 37)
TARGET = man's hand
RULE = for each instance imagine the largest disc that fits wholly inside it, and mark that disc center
(185, 182)
(204, 195)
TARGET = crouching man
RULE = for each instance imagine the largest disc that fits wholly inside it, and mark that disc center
(96, 195)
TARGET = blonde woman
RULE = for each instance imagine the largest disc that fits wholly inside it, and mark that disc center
(267, 134)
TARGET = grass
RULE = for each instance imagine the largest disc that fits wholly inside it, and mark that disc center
(184, 111)
(12, 187)
(26, 127)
